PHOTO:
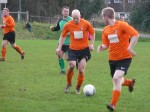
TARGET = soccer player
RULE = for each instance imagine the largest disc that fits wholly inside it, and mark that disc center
(65, 47)
(79, 49)
(115, 36)
(9, 34)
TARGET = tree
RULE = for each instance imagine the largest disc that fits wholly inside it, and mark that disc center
(89, 7)
(53, 7)
(140, 15)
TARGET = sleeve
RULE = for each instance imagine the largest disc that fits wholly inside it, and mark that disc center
(57, 28)
(10, 22)
(129, 29)
(91, 29)
(105, 39)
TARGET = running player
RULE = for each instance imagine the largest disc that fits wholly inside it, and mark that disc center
(9, 34)
(115, 36)
(65, 47)
(79, 50)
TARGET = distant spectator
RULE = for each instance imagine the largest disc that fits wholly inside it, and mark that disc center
(28, 26)
(122, 18)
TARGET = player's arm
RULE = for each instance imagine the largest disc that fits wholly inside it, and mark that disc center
(101, 48)
(55, 28)
(133, 42)
(104, 45)
(10, 23)
(92, 39)
(91, 46)
(92, 36)
(3, 25)
(61, 41)
(134, 37)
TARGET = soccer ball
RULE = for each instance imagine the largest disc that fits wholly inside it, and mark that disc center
(89, 90)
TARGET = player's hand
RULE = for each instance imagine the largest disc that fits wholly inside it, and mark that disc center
(0, 26)
(4, 23)
(91, 47)
(52, 28)
(133, 53)
(58, 51)
(99, 48)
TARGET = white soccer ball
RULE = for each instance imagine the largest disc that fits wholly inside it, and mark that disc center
(89, 90)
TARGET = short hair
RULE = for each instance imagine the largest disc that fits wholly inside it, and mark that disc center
(65, 7)
(109, 12)
(6, 9)
(76, 12)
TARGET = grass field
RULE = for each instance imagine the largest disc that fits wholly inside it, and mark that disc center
(33, 85)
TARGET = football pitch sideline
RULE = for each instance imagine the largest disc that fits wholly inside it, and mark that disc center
(34, 85)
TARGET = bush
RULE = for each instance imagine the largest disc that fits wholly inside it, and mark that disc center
(140, 15)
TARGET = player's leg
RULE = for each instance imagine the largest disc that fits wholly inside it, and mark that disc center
(61, 62)
(4, 49)
(119, 69)
(13, 44)
(85, 55)
(66, 56)
(117, 78)
(69, 75)
(18, 49)
(72, 57)
(128, 82)
(81, 69)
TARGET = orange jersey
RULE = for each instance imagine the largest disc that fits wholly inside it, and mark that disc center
(10, 24)
(78, 34)
(117, 37)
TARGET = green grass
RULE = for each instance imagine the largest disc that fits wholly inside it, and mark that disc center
(33, 85)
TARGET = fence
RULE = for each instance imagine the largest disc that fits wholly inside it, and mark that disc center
(20, 16)
(53, 20)
(41, 19)
(24, 16)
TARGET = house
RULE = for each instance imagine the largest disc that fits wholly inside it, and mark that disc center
(121, 7)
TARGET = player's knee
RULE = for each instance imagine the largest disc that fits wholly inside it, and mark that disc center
(81, 70)
(4, 45)
(13, 46)
(116, 80)
(71, 65)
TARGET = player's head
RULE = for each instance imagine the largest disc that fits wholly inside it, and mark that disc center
(65, 11)
(108, 13)
(122, 18)
(76, 16)
(5, 11)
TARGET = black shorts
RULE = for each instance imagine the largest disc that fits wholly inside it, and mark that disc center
(10, 37)
(65, 48)
(119, 65)
(78, 55)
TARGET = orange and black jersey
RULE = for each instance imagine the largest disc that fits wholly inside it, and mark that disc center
(9, 24)
(116, 37)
